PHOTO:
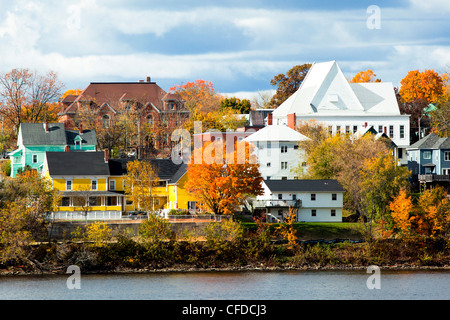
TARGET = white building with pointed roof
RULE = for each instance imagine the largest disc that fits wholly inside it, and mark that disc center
(278, 152)
(326, 96)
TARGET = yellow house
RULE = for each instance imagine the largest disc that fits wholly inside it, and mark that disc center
(170, 192)
(83, 181)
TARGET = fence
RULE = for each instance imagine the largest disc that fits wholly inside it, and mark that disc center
(117, 215)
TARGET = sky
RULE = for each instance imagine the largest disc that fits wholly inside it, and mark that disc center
(237, 45)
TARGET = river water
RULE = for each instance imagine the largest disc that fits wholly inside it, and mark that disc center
(249, 285)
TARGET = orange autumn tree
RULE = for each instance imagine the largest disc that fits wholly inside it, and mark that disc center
(427, 86)
(365, 76)
(222, 177)
(401, 209)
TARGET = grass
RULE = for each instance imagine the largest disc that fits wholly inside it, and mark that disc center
(320, 230)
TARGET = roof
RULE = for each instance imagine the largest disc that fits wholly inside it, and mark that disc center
(34, 134)
(276, 133)
(304, 185)
(431, 141)
(77, 163)
(326, 91)
(114, 92)
(257, 117)
(166, 168)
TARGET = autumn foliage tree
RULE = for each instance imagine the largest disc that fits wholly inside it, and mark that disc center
(288, 83)
(426, 85)
(365, 76)
(221, 179)
(29, 96)
(199, 95)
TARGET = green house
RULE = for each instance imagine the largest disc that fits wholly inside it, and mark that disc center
(34, 139)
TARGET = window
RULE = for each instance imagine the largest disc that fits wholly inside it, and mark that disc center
(283, 149)
(106, 121)
(347, 129)
(400, 153)
(313, 212)
(402, 132)
(446, 172)
(280, 212)
(330, 130)
(391, 131)
(35, 158)
(112, 201)
(280, 196)
(283, 178)
(268, 178)
(94, 201)
(333, 196)
(355, 129)
(268, 164)
(65, 201)
(338, 129)
(150, 120)
(283, 165)
(313, 196)
(294, 197)
(295, 147)
(68, 185)
(192, 205)
(112, 184)
(94, 185)
(447, 155)
(333, 212)
(380, 129)
(427, 154)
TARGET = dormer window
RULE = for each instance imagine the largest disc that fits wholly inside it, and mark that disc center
(106, 120)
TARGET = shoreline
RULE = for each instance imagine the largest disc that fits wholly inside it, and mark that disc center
(391, 267)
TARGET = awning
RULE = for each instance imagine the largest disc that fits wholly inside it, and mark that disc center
(431, 165)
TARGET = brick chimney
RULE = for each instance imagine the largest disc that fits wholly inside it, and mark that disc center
(46, 126)
(81, 128)
(67, 149)
(269, 119)
(291, 119)
(365, 124)
(106, 155)
(148, 79)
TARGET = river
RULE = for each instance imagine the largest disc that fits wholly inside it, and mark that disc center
(248, 285)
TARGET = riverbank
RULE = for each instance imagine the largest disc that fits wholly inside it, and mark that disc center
(128, 256)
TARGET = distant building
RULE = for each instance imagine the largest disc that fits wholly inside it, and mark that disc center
(278, 153)
(34, 139)
(162, 111)
(311, 200)
(429, 160)
(326, 96)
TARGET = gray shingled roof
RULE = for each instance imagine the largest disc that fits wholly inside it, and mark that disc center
(166, 168)
(431, 141)
(34, 134)
(77, 163)
(304, 185)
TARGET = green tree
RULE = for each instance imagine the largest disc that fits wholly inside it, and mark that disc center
(288, 84)
(242, 106)
(155, 229)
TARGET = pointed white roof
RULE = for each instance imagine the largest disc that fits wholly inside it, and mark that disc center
(326, 91)
(276, 133)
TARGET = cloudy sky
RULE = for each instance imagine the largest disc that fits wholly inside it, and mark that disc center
(237, 45)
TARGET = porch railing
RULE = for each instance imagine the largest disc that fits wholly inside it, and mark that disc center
(434, 177)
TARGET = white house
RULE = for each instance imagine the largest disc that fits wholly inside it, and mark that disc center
(313, 200)
(278, 152)
(326, 96)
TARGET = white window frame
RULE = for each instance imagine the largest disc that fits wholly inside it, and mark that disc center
(446, 155)
(112, 185)
(34, 158)
(284, 165)
(69, 185)
(94, 181)
(427, 154)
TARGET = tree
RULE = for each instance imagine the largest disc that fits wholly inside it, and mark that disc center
(288, 84)
(401, 208)
(222, 179)
(28, 96)
(365, 76)
(440, 118)
(74, 92)
(427, 85)
(199, 95)
(140, 181)
(241, 106)
(155, 229)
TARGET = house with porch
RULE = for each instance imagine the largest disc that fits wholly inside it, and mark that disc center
(35, 139)
(429, 161)
(312, 200)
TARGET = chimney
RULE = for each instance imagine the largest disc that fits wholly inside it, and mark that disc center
(81, 128)
(148, 79)
(67, 149)
(365, 124)
(106, 155)
(291, 119)
(269, 119)
(385, 130)
(46, 126)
